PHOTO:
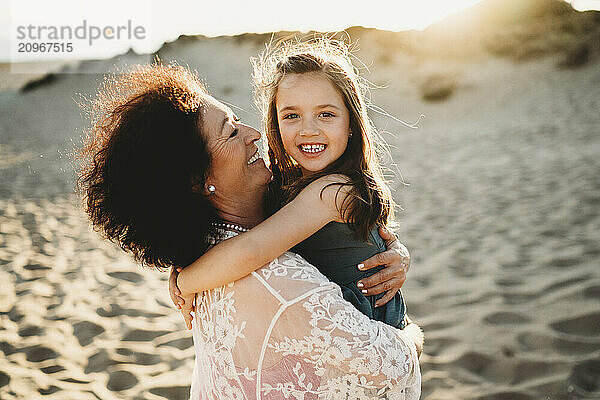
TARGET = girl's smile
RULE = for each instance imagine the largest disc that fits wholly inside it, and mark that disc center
(312, 149)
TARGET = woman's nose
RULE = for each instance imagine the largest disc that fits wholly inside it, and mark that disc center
(251, 135)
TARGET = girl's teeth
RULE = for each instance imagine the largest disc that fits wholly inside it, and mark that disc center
(312, 148)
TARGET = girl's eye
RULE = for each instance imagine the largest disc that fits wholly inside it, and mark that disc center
(291, 116)
(326, 114)
(234, 133)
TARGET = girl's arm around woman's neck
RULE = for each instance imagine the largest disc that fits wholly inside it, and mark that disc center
(318, 204)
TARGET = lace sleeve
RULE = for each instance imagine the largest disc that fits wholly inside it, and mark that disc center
(340, 352)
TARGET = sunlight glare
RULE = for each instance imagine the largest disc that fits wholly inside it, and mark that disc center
(421, 14)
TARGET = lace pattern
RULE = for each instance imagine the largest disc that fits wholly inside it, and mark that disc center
(285, 331)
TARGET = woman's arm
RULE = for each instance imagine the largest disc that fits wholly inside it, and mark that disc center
(315, 206)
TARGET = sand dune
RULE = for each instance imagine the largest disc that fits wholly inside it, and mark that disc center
(502, 217)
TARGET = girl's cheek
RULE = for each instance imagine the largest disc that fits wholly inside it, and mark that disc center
(287, 149)
(287, 139)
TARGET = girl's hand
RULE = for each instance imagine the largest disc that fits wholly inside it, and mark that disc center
(389, 280)
(187, 311)
(185, 304)
(174, 291)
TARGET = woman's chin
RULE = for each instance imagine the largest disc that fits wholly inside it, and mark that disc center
(260, 167)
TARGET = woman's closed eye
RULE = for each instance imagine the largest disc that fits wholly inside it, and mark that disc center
(235, 131)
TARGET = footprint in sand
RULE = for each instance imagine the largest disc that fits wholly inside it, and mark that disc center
(140, 358)
(564, 262)
(181, 344)
(535, 341)
(40, 353)
(586, 376)
(7, 348)
(31, 330)
(141, 335)
(514, 298)
(592, 292)
(172, 392)
(127, 276)
(36, 267)
(4, 379)
(52, 369)
(507, 396)
(585, 325)
(115, 310)
(99, 362)
(473, 362)
(509, 282)
(566, 283)
(73, 380)
(49, 390)
(85, 332)
(527, 370)
(506, 318)
(121, 380)
(435, 326)
(15, 315)
(439, 345)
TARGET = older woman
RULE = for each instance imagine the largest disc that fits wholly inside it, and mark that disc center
(158, 147)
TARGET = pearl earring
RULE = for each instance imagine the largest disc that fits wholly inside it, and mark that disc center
(211, 189)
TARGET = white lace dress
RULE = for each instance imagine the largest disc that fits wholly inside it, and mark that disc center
(285, 332)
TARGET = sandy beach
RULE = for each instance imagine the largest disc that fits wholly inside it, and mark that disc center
(501, 213)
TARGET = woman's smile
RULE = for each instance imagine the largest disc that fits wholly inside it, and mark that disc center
(254, 158)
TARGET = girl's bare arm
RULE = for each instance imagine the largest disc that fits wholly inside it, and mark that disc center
(313, 208)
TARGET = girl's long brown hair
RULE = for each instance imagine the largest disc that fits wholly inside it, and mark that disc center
(370, 202)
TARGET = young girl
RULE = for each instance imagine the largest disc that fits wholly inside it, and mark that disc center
(325, 174)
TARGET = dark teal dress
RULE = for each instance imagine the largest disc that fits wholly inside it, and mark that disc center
(336, 253)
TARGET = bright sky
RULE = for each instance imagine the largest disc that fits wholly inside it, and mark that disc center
(165, 21)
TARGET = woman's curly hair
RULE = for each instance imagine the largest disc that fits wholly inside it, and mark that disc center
(139, 161)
